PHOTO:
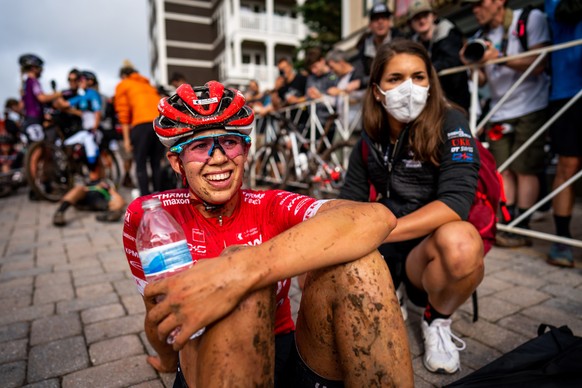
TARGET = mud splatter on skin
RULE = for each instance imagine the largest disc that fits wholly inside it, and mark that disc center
(356, 301)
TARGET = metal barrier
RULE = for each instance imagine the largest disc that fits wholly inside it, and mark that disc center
(477, 128)
(345, 127)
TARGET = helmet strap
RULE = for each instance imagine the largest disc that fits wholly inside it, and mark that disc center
(209, 207)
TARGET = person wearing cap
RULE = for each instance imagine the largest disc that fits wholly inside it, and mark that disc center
(523, 112)
(380, 31)
(443, 40)
(136, 103)
(245, 247)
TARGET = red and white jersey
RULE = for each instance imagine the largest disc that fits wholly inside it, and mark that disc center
(259, 216)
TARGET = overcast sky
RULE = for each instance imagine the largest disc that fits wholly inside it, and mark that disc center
(92, 35)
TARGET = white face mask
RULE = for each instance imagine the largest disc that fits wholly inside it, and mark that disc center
(406, 101)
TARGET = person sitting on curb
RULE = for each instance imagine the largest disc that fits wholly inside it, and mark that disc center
(99, 195)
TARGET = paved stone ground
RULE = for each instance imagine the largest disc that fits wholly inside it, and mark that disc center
(70, 315)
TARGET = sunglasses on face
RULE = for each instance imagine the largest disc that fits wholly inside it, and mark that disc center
(200, 149)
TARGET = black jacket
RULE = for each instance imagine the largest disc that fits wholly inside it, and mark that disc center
(412, 184)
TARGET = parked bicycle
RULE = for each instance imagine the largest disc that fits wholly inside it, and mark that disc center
(52, 168)
(289, 159)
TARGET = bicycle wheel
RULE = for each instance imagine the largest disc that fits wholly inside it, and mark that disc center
(268, 167)
(110, 166)
(47, 171)
(328, 175)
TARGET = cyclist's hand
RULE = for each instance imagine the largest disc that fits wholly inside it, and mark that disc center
(157, 363)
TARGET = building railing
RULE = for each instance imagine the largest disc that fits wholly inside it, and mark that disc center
(259, 22)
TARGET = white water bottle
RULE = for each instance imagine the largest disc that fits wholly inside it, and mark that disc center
(162, 246)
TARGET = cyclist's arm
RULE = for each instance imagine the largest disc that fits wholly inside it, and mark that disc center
(167, 359)
(340, 232)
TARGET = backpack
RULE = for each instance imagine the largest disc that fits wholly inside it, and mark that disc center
(489, 196)
(552, 359)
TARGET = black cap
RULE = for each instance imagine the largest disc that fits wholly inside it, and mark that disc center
(378, 10)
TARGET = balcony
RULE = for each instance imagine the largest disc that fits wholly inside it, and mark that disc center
(259, 22)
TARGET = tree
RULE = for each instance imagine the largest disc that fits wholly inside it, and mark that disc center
(323, 17)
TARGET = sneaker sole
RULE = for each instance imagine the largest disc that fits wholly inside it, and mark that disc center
(441, 371)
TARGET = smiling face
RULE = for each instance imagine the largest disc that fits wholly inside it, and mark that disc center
(213, 181)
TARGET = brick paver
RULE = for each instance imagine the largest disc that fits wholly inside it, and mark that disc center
(70, 315)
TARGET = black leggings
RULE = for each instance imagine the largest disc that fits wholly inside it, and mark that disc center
(147, 146)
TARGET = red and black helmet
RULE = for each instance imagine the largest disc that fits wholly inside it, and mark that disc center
(193, 109)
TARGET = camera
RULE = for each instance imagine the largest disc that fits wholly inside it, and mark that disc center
(475, 50)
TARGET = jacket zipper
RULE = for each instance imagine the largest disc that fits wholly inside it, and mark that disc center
(393, 154)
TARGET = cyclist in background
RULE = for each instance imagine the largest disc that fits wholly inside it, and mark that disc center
(34, 98)
(88, 102)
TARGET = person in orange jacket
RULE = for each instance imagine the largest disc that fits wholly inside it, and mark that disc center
(136, 102)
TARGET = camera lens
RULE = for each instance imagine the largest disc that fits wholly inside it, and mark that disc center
(475, 50)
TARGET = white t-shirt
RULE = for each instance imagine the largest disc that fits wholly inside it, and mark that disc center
(533, 93)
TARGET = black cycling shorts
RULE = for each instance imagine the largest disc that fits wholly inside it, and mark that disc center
(290, 370)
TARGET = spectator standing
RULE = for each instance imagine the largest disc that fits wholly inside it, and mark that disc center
(351, 81)
(319, 80)
(523, 113)
(136, 102)
(410, 135)
(88, 102)
(13, 117)
(381, 31)
(443, 41)
(177, 79)
(293, 90)
(566, 132)
(71, 123)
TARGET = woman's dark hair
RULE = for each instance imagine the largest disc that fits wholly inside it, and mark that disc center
(425, 131)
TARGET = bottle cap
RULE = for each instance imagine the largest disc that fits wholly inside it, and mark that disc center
(151, 203)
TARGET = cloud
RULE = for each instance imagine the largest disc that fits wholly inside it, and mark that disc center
(89, 35)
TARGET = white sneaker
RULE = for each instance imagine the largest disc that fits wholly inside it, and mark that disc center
(400, 291)
(440, 353)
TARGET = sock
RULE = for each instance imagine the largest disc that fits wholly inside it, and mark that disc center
(64, 206)
(511, 211)
(525, 223)
(430, 314)
(563, 225)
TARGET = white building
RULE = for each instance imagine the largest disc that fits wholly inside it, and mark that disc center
(233, 41)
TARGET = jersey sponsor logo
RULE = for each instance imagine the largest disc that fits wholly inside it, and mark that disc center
(128, 236)
(127, 218)
(205, 101)
(198, 235)
(301, 204)
(460, 142)
(197, 248)
(175, 201)
(312, 210)
(461, 149)
(409, 163)
(462, 157)
(247, 234)
(131, 252)
(253, 198)
(256, 241)
(459, 132)
(136, 264)
(170, 195)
